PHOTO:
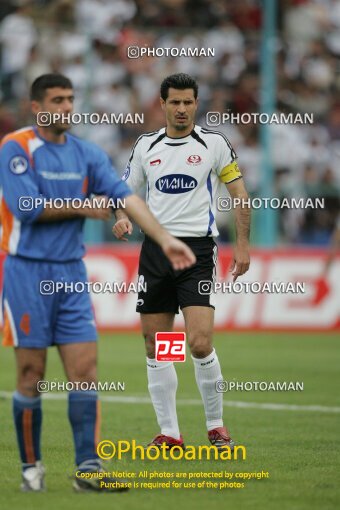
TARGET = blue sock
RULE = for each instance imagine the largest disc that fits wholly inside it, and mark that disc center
(27, 419)
(84, 418)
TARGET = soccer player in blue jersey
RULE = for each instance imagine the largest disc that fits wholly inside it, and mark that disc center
(45, 244)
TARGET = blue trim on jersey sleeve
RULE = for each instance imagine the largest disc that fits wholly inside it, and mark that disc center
(211, 216)
(104, 179)
(121, 190)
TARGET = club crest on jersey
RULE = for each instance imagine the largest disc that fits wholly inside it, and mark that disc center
(126, 174)
(18, 165)
(155, 162)
(176, 183)
(194, 159)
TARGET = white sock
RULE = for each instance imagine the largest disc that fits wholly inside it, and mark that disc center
(162, 384)
(208, 372)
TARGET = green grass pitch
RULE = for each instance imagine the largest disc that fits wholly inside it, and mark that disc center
(298, 447)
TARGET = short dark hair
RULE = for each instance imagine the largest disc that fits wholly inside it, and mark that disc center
(48, 81)
(179, 81)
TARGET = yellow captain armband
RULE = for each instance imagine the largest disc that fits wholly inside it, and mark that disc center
(230, 173)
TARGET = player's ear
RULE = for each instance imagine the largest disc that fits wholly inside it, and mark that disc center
(162, 102)
(35, 107)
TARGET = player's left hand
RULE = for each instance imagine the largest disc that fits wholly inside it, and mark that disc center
(121, 228)
(241, 262)
(179, 254)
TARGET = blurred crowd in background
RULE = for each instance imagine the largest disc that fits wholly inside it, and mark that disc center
(87, 40)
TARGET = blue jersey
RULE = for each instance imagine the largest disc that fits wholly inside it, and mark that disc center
(34, 168)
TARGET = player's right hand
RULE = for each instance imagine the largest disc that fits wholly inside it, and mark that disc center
(122, 227)
(100, 209)
(240, 262)
(179, 253)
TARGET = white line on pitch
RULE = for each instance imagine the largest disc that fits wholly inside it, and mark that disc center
(195, 402)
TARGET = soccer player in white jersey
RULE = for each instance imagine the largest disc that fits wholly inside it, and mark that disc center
(182, 166)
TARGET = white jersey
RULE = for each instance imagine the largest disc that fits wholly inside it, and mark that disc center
(182, 177)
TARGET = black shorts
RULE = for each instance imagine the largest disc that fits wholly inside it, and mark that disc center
(166, 289)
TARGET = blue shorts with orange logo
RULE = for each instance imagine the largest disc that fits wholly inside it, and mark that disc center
(41, 304)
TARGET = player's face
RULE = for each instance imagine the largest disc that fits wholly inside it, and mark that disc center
(56, 100)
(180, 108)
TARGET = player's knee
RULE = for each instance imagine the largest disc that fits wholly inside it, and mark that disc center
(84, 372)
(149, 344)
(200, 344)
(28, 378)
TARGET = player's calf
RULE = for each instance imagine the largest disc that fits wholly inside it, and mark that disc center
(149, 345)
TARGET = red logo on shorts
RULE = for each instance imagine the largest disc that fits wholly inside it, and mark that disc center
(25, 325)
(194, 160)
(170, 346)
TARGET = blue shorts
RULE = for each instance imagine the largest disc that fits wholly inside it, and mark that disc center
(34, 317)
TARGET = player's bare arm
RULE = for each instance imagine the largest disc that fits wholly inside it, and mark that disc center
(241, 262)
(97, 209)
(179, 254)
(334, 248)
(171, 246)
(122, 226)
